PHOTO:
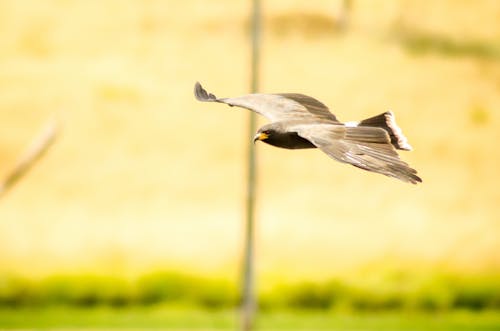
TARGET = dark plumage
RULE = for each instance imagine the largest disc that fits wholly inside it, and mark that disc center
(299, 121)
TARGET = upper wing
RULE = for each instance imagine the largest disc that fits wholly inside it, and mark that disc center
(367, 148)
(275, 107)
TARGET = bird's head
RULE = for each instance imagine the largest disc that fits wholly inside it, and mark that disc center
(261, 135)
(265, 132)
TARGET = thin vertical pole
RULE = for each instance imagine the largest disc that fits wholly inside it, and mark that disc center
(248, 288)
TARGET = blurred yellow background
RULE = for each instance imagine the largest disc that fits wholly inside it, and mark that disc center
(144, 177)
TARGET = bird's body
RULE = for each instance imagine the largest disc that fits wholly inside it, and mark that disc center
(282, 137)
(288, 140)
(299, 121)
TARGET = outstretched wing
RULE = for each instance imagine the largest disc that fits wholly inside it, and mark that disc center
(275, 107)
(367, 148)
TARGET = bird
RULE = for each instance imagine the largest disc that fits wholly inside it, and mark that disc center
(298, 121)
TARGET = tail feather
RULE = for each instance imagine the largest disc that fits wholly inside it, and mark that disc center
(387, 121)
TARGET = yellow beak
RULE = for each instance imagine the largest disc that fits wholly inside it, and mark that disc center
(260, 136)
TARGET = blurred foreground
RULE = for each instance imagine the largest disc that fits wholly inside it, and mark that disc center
(165, 318)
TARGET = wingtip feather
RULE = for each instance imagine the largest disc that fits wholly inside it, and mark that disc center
(201, 94)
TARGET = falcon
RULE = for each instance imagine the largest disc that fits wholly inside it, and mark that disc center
(298, 121)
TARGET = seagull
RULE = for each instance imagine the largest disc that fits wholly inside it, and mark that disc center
(298, 121)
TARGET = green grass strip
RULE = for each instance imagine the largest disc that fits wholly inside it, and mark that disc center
(173, 318)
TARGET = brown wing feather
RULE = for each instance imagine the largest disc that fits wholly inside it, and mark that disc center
(313, 106)
(275, 107)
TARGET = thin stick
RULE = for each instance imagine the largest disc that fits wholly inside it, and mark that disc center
(248, 290)
(35, 151)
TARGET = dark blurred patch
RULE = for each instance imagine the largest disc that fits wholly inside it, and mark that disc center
(217, 26)
(16, 291)
(215, 294)
(307, 25)
(366, 301)
(163, 287)
(84, 291)
(419, 42)
(284, 25)
(35, 39)
(477, 293)
(479, 115)
(310, 296)
(118, 93)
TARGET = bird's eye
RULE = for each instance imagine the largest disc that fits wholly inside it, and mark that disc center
(266, 132)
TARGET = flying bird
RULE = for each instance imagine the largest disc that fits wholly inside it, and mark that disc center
(299, 121)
